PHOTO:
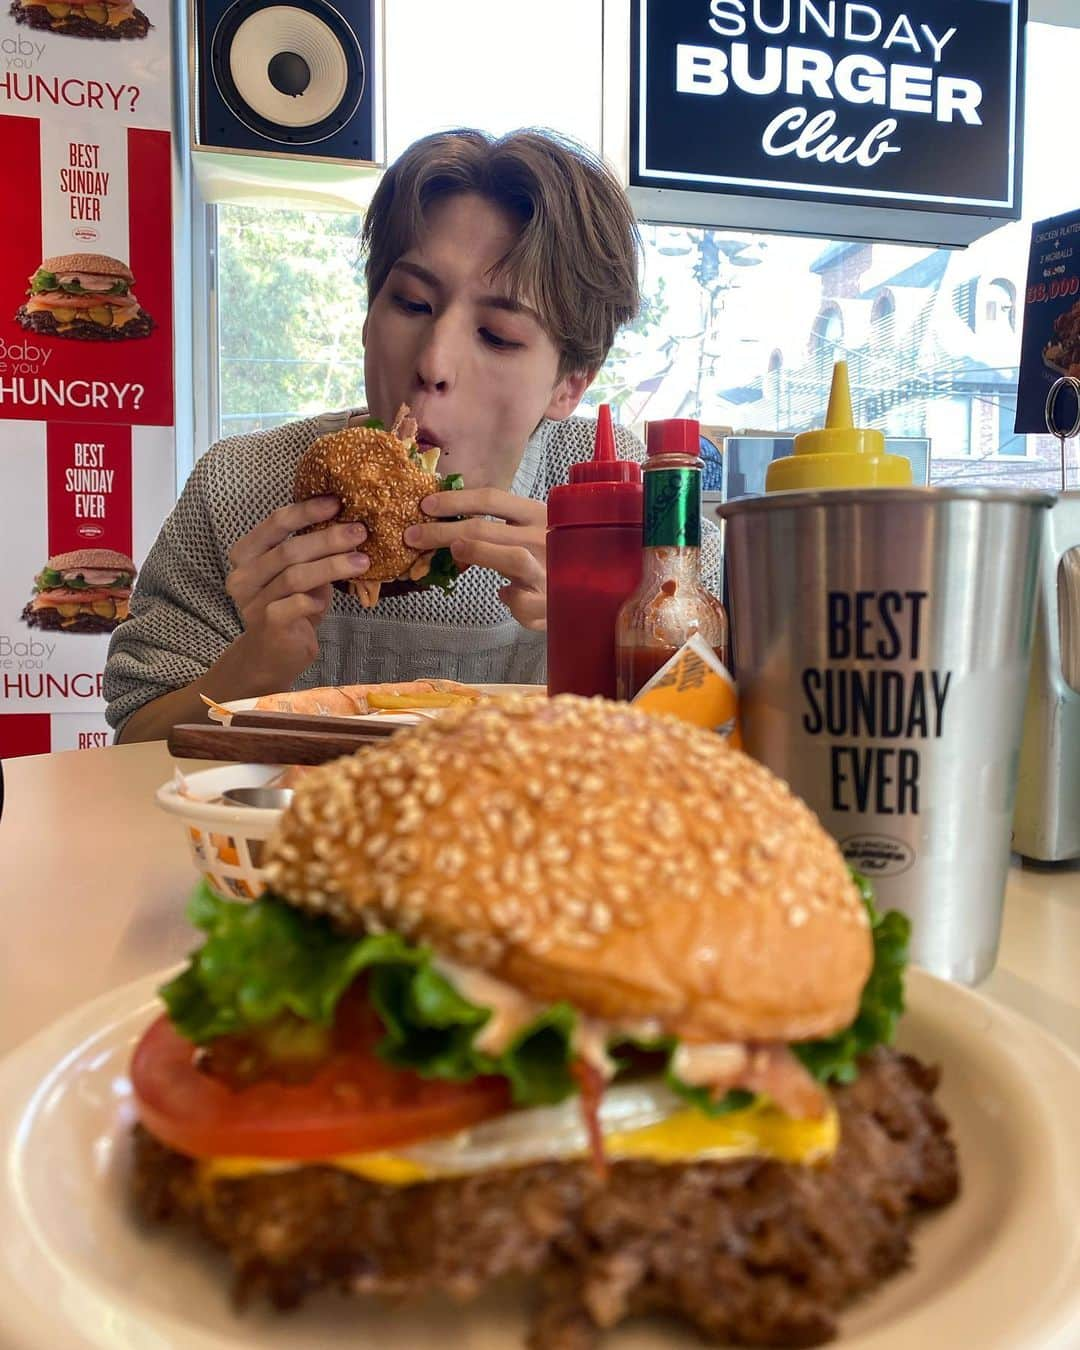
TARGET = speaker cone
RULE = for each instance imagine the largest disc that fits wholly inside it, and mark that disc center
(292, 73)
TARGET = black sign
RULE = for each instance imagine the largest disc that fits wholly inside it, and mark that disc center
(911, 104)
(1051, 343)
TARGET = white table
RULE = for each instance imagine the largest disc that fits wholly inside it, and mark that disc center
(94, 879)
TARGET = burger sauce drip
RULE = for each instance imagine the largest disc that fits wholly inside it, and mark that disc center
(591, 1082)
(671, 604)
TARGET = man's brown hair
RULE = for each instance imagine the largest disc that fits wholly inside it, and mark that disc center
(575, 258)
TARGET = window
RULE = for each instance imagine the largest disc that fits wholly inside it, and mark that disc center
(931, 336)
(291, 305)
(1000, 305)
(948, 424)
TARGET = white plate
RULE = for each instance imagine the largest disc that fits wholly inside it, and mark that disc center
(998, 1270)
(398, 719)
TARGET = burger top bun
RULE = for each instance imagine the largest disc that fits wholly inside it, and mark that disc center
(99, 559)
(97, 264)
(581, 850)
(370, 472)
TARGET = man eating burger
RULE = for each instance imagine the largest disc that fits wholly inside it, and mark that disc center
(498, 273)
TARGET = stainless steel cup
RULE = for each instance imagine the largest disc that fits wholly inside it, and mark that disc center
(882, 640)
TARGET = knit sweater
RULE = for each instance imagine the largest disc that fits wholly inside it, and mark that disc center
(182, 618)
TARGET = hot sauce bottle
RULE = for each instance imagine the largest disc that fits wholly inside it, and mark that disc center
(670, 604)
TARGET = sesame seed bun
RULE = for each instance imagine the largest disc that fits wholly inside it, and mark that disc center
(99, 559)
(582, 850)
(98, 264)
(371, 473)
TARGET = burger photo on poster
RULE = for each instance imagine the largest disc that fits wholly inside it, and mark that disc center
(84, 591)
(505, 1011)
(380, 478)
(111, 19)
(87, 296)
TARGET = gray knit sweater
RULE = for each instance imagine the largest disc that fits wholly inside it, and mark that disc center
(182, 619)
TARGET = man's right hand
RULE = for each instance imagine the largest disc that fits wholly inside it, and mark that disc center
(280, 583)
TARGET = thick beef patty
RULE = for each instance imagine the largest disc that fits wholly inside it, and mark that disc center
(52, 620)
(753, 1252)
(75, 24)
(83, 329)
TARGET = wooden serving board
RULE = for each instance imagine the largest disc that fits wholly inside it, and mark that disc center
(267, 745)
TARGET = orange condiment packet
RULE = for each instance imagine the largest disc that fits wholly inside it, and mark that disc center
(696, 687)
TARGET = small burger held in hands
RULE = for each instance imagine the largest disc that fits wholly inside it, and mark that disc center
(86, 591)
(553, 989)
(83, 18)
(381, 477)
(84, 295)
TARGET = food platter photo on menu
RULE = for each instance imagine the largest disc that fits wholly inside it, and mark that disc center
(85, 591)
(83, 18)
(86, 296)
(1062, 352)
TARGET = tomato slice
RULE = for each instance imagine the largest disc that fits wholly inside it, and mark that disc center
(354, 1103)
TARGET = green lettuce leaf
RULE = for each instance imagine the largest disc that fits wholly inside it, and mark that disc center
(833, 1059)
(266, 959)
(538, 1060)
(430, 1028)
(48, 577)
(43, 281)
(701, 1097)
(373, 423)
(443, 572)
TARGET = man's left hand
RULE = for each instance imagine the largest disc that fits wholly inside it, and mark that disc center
(514, 543)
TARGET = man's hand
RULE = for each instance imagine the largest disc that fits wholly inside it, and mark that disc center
(513, 544)
(280, 582)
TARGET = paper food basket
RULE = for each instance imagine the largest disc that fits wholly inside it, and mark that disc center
(225, 841)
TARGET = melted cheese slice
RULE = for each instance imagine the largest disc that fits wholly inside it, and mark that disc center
(685, 1137)
(119, 314)
(117, 13)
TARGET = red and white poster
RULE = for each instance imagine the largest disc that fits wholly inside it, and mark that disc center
(87, 454)
(86, 273)
(85, 502)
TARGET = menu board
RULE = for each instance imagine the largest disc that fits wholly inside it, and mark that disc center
(1050, 346)
(87, 453)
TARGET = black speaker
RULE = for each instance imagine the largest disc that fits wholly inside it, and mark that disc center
(289, 78)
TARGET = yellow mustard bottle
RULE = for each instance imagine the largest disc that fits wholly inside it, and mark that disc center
(841, 455)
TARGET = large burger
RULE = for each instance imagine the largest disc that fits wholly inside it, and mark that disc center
(381, 477)
(83, 18)
(84, 295)
(85, 591)
(558, 990)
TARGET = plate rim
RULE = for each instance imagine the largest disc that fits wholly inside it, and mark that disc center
(71, 1033)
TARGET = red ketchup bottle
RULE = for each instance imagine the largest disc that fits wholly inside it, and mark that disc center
(593, 564)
